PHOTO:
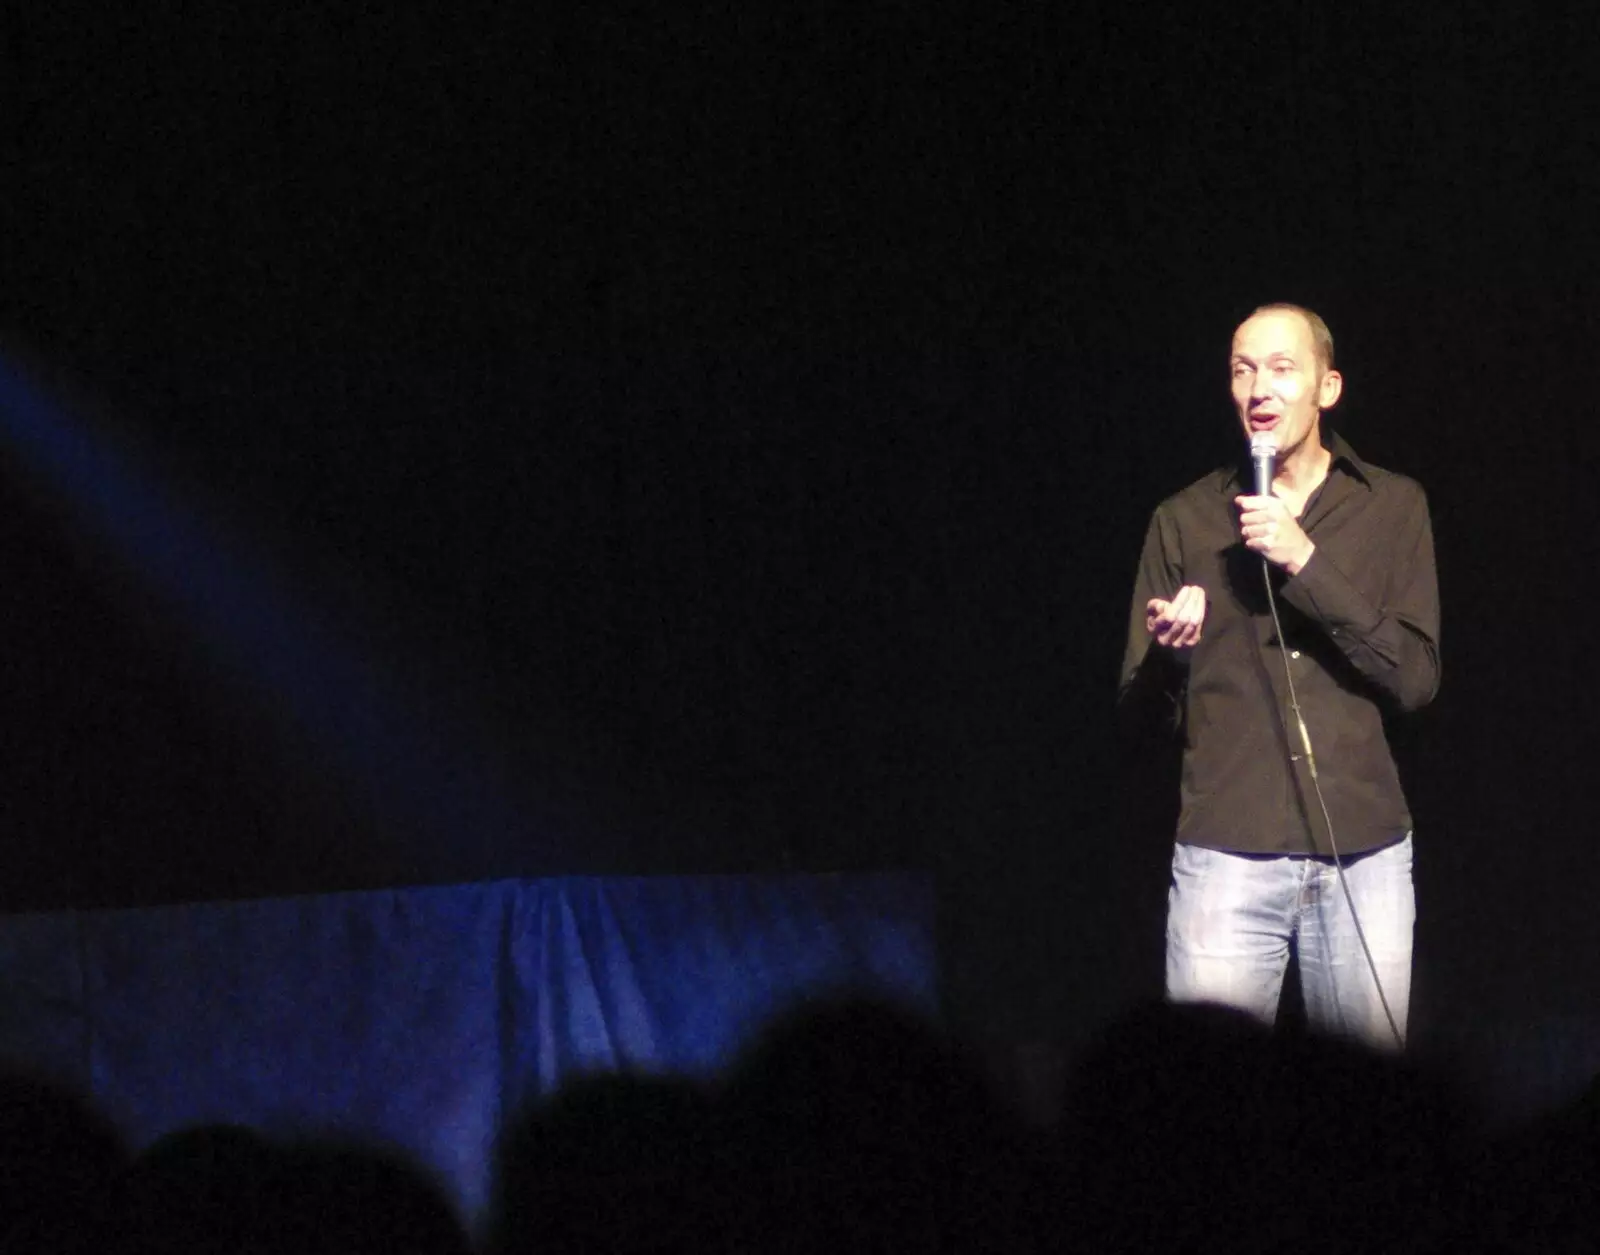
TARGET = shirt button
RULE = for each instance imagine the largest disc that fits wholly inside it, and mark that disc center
(1294, 653)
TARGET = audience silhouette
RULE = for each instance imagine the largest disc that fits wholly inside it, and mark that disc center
(855, 1126)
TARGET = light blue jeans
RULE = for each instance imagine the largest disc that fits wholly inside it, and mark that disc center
(1231, 919)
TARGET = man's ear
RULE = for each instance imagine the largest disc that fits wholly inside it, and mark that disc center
(1330, 390)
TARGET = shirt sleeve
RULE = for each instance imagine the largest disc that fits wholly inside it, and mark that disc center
(1394, 645)
(1151, 675)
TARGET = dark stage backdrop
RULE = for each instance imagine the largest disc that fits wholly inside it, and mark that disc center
(730, 439)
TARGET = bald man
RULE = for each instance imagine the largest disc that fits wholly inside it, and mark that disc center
(1294, 835)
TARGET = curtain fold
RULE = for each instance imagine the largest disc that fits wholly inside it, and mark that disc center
(420, 1017)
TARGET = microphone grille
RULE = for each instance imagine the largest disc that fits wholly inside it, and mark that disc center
(1264, 442)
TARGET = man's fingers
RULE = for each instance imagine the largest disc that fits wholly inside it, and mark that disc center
(1182, 635)
(1178, 622)
(1170, 628)
(1259, 505)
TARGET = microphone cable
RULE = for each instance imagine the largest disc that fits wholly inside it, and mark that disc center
(1333, 844)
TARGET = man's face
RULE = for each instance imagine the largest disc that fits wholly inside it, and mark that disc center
(1277, 383)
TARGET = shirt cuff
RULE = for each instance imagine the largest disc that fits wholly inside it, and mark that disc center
(1321, 592)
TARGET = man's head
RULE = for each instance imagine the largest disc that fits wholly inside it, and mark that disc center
(1283, 376)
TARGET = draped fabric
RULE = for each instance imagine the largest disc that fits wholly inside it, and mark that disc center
(420, 1017)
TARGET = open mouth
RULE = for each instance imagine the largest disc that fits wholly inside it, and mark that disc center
(1264, 422)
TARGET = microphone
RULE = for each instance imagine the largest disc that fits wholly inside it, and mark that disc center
(1264, 457)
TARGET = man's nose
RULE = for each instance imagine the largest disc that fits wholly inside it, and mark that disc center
(1261, 389)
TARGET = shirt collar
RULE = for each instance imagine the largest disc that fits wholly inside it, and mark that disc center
(1232, 479)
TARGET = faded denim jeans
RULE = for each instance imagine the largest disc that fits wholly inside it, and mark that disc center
(1231, 919)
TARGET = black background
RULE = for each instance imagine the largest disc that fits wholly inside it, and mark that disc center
(744, 420)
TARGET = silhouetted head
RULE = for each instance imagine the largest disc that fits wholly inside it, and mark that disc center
(857, 1125)
(58, 1156)
(611, 1163)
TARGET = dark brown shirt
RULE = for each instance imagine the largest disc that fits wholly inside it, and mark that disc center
(1361, 630)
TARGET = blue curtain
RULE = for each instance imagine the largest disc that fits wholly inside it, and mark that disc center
(419, 1017)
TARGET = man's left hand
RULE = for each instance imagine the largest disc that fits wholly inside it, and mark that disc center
(1267, 527)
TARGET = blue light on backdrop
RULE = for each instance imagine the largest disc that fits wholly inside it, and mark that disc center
(416, 1016)
(421, 1017)
(420, 778)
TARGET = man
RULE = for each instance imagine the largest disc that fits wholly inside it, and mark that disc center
(1270, 817)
